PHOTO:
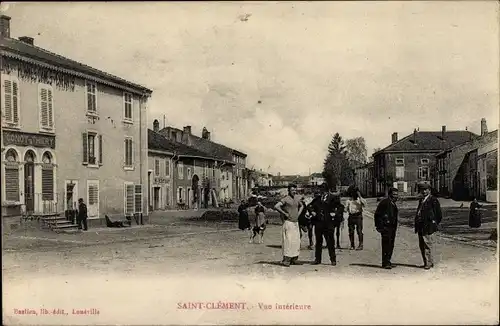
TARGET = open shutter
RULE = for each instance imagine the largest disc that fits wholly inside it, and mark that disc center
(130, 152)
(11, 181)
(100, 150)
(85, 148)
(44, 108)
(138, 198)
(8, 100)
(47, 184)
(50, 109)
(129, 199)
(15, 102)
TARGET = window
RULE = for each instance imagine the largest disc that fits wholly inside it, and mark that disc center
(10, 101)
(180, 195)
(189, 175)
(424, 161)
(423, 172)
(92, 148)
(400, 161)
(167, 167)
(11, 178)
(129, 154)
(132, 198)
(157, 167)
(127, 101)
(47, 177)
(400, 172)
(180, 170)
(91, 97)
(46, 108)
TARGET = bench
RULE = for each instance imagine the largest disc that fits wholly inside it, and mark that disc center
(118, 221)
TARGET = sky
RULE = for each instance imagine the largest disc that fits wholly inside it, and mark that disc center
(277, 80)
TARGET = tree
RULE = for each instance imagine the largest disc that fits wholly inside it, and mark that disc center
(356, 151)
(336, 164)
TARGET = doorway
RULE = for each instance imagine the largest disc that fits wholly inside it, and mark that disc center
(71, 199)
(29, 181)
(156, 198)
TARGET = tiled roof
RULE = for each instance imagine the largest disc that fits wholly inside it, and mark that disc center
(317, 175)
(493, 133)
(22, 51)
(291, 178)
(430, 141)
(158, 142)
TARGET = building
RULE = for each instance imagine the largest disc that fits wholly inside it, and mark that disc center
(183, 177)
(364, 179)
(262, 179)
(223, 154)
(285, 180)
(316, 179)
(469, 169)
(69, 131)
(410, 160)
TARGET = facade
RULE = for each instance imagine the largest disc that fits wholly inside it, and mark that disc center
(316, 179)
(410, 161)
(231, 161)
(285, 180)
(69, 131)
(182, 177)
(364, 179)
(463, 171)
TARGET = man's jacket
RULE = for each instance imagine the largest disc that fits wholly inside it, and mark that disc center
(386, 216)
(428, 216)
(82, 211)
(323, 206)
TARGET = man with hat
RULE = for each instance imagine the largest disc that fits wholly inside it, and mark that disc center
(427, 219)
(386, 223)
(290, 208)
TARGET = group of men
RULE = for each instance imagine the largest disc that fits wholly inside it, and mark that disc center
(327, 211)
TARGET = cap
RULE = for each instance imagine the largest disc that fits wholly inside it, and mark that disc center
(424, 186)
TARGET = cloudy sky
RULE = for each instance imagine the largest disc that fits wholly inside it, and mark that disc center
(361, 69)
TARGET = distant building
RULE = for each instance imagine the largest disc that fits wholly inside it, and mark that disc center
(316, 179)
(364, 179)
(469, 169)
(285, 180)
(411, 160)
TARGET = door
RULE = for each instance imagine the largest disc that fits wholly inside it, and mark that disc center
(29, 182)
(71, 195)
(156, 198)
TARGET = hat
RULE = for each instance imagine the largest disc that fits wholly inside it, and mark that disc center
(424, 186)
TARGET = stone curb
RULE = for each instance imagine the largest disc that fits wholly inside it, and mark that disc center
(452, 238)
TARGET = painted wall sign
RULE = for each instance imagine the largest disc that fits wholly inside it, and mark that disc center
(28, 139)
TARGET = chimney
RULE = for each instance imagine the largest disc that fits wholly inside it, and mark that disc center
(186, 135)
(27, 40)
(5, 26)
(443, 131)
(415, 136)
(156, 126)
(187, 130)
(484, 128)
(394, 137)
(205, 134)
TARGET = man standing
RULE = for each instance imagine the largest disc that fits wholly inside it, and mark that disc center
(354, 207)
(386, 223)
(327, 210)
(290, 207)
(427, 220)
(82, 215)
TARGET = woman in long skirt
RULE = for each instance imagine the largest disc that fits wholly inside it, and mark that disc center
(475, 214)
(244, 221)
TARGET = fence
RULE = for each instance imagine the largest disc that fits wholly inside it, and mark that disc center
(42, 204)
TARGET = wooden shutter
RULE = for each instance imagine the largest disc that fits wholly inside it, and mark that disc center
(50, 108)
(93, 194)
(47, 184)
(11, 184)
(44, 107)
(130, 153)
(8, 100)
(138, 198)
(85, 148)
(100, 150)
(129, 199)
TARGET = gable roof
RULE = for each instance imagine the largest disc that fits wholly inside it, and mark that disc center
(493, 134)
(157, 141)
(429, 141)
(216, 150)
(35, 55)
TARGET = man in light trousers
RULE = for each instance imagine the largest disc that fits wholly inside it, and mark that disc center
(290, 208)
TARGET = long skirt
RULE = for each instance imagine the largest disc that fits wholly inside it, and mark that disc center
(291, 239)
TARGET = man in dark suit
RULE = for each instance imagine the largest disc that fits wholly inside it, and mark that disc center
(386, 223)
(427, 219)
(326, 209)
(82, 215)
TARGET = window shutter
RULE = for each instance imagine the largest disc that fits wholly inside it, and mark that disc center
(131, 153)
(129, 199)
(7, 94)
(44, 109)
(85, 148)
(47, 184)
(100, 150)
(11, 184)
(50, 108)
(138, 198)
(93, 194)
(15, 102)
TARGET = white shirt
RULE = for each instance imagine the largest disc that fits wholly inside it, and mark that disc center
(355, 206)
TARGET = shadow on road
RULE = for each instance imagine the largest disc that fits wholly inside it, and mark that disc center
(278, 263)
(380, 267)
(274, 246)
